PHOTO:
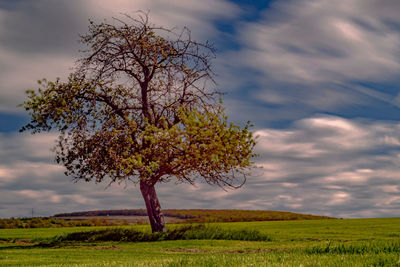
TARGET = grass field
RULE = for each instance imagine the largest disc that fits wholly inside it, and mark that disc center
(356, 242)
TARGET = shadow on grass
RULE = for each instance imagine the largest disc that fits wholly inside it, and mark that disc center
(179, 233)
(18, 244)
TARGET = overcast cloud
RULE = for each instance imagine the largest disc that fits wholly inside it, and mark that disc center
(318, 78)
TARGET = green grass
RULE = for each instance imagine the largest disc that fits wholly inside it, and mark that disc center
(361, 242)
(370, 247)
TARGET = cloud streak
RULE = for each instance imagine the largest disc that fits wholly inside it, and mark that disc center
(306, 57)
(325, 42)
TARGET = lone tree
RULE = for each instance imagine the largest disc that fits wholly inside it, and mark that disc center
(138, 107)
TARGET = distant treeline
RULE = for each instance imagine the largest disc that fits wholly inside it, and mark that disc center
(49, 222)
(92, 213)
(205, 215)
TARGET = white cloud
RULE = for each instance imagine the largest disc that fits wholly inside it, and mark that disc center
(339, 198)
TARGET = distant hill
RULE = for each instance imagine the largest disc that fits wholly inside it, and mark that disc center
(204, 215)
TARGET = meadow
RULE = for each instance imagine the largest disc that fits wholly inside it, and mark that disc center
(333, 242)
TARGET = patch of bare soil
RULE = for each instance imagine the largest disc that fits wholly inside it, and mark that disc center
(224, 252)
(85, 246)
(108, 248)
(19, 242)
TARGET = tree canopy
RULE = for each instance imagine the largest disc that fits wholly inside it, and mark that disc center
(140, 106)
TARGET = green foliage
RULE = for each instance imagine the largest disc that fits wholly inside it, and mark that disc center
(202, 143)
(100, 144)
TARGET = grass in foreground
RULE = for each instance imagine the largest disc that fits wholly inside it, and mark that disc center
(366, 242)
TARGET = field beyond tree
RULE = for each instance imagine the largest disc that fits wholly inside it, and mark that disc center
(139, 216)
(333, 242)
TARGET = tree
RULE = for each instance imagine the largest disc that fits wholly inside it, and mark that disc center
(139, 107)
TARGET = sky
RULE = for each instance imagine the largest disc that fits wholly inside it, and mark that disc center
(319, 79)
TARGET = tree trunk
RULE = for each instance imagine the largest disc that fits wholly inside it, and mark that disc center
(153, 207)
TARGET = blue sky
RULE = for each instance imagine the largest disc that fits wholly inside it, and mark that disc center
(319, 79)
